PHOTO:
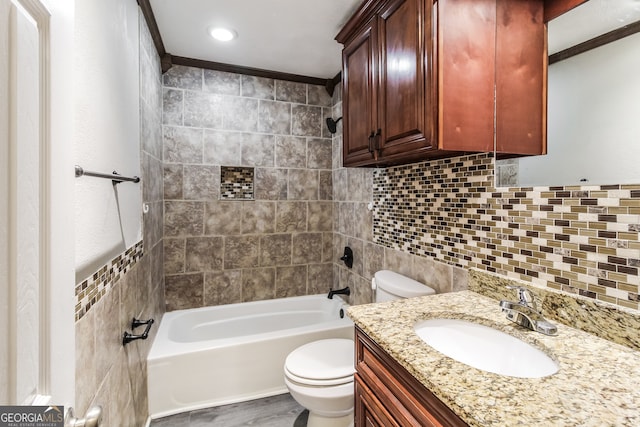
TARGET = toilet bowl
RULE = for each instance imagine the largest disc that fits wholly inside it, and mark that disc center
(319, 376)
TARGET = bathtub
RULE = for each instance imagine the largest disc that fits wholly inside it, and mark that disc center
(213, 356)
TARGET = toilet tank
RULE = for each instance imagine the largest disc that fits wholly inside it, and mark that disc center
(390, 286)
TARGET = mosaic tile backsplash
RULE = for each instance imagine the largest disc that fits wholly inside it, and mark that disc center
(584, 240)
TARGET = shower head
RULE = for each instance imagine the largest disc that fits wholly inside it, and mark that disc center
(332, 124)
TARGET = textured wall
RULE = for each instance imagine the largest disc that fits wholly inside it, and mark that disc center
(131, 284)
(277, 245)
(107, 219)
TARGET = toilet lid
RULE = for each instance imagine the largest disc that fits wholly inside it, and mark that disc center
(322, 360)
(400, 285)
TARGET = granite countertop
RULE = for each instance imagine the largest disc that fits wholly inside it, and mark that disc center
(598, 382)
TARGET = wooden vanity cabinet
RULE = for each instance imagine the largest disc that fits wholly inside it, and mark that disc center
(386, 394)
(426, 79)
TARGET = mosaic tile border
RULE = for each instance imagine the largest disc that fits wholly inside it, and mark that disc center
(580, 239)
(93, 288)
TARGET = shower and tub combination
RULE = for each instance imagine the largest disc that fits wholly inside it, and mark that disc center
(218, 355)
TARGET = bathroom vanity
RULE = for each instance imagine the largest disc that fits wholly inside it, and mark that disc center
(402, 381)
(388, 395)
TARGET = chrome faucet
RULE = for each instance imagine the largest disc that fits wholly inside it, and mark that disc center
(525, 312)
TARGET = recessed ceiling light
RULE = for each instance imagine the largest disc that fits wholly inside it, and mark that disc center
(222, 34)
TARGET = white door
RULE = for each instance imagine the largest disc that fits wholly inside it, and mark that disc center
(27, 316)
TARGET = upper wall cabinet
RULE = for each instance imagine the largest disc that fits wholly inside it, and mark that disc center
(424, 79)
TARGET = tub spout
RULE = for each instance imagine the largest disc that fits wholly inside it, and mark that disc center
(343, 291)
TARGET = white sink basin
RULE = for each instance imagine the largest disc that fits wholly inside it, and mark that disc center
(485, 348)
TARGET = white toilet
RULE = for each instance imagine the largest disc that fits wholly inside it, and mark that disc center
(319, 375)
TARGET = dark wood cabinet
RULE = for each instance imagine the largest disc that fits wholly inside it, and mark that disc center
(425, 79)
(387, 104)
(521, 78)
(386, 394)
(405, 109)
(369, 411)
(360, 75)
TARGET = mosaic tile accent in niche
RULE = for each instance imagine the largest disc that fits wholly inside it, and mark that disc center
(94, 287)
(581, 239)
(236, 183)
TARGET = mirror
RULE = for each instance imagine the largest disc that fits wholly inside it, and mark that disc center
(593, 120)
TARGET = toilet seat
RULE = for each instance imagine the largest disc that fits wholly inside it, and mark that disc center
(322, 363)
(317, 383)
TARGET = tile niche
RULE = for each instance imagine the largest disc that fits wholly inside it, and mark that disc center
(236, 183)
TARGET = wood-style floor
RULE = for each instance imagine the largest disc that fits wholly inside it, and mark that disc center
(275, 411)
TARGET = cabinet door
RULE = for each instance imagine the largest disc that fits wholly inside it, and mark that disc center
(393, 393)
(359, 97)
(521, 78)
(466, 73)
(405, 113)
(369, 411)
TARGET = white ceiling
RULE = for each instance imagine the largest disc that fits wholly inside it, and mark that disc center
(589, 20)
(289, 36)
(297, 36)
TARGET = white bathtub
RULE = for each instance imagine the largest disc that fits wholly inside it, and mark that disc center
(213, 356)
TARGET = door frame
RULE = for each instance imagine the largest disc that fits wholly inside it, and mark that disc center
(54, 20)
(35, 11)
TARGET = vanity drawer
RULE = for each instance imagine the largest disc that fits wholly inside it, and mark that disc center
(407, 401)
(369, 409)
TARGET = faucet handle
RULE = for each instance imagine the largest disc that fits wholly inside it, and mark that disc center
(525, 296)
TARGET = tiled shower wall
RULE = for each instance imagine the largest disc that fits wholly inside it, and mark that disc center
(280, 243)
(108, 373)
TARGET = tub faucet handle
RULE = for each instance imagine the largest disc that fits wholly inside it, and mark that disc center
(347, 258)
